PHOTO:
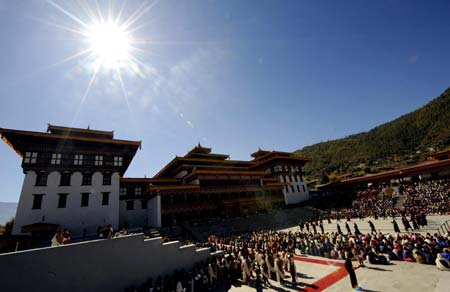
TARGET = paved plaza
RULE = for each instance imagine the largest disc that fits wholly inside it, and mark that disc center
(320, 274)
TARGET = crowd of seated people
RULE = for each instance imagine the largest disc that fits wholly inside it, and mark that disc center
(430, 197)
(375, 248)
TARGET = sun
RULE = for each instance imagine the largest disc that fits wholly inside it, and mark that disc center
(110, 44)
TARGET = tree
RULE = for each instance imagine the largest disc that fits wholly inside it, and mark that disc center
(9, 226)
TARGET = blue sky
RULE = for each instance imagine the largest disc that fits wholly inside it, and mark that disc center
(232, 75)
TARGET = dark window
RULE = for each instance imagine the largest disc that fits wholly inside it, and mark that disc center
(56, 158)
(87, 179)
(106, 179)
(37, 201)
(287, 190)
(292, 188)
(98, 160)
(105, 198)
(62, 200)
(41, 179)
(85, 199)
(301, 178)
(130, 205)
(78, 159)
(304, 190)
(118, 160)
(137, 191)
(298, 188)
(144, 204)
(30, 157)
(123, 191)
(65, 179)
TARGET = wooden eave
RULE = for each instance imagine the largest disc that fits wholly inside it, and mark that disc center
(172, 188)
(260, 152)
(51, 128)
(275, 185)
(442, 154)
(401, 172)
(197, 173)
(207, 167)
(200, 161)
(135, 180)
(207, 155)
(199, 149)
(290, 158)
(268, 179)
(6, 132)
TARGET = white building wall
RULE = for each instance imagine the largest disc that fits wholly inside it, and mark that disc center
(79, 220)
(154, 212)
(132, 218)
(296, 196)
(138, 217)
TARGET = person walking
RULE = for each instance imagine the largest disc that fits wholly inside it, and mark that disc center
(351, 272)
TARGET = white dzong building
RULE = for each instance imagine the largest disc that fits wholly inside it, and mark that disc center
(72, 179)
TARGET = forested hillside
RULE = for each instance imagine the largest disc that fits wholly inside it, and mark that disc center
(408, 139)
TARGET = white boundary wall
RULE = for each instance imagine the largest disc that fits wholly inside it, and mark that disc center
(99, 265)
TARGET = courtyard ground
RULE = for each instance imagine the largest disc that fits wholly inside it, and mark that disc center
(320, 274)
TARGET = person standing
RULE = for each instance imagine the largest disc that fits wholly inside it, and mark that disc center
(406, 224)
(258, 284)
(66, 234)
(396, 228)
(314, 227)
(57, 239)
(292, 268)
(279, 270)
(372, 227)
(339, 229)
(351, 273)
(348, 228)
(357, 232)
(246, 272)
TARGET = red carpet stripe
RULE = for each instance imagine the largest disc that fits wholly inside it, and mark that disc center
(328, 280)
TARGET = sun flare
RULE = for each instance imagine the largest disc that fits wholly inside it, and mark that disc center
(110, 44)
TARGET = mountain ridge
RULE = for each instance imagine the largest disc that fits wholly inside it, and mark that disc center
(401, 141)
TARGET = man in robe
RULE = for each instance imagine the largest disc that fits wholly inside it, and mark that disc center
(279, 270)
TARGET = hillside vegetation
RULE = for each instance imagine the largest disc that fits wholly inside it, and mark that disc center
(405, 140)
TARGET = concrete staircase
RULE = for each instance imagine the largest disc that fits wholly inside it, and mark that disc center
(277, 219)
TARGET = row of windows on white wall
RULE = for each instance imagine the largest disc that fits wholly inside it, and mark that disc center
(292, 178)
(62, 200)
(78, 159)
(130, 205)
(137, 191)
(280, 168)
(41, 179)
(291, 187)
